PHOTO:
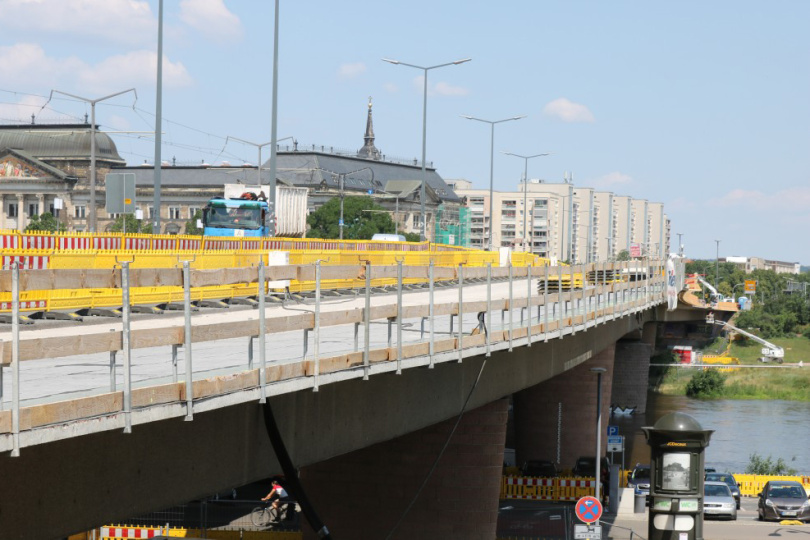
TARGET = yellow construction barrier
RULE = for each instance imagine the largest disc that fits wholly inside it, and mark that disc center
(122, 532)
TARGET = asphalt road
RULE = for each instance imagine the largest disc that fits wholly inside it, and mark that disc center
(521, 514)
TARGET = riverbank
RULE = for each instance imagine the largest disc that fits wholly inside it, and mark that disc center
(763, 383)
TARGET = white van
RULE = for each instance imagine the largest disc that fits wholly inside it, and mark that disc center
(389, 237)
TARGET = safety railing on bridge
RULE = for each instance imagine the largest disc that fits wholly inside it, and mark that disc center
(451, 326)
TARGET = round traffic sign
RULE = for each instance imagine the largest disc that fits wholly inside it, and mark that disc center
(588, 509)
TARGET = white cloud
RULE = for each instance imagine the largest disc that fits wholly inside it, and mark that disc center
(789, 200)
(119, 21)
(32, 66)
(439, 88)
(212, 18)
(568, 111)
(611, 180)
(391, 87)
(350, 71)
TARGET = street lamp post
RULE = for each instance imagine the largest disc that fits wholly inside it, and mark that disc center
(717, 265)
(525, 185)
(259, 146)
(92, 103)
(492, 164)
(599, 371)
(341, 180)
(424, 128)
(680, 245)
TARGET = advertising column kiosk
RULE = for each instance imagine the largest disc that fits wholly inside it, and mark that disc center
(677, 442)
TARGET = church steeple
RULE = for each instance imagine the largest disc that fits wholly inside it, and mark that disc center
(369, 151)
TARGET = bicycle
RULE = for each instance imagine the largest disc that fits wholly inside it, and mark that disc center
(266, 515)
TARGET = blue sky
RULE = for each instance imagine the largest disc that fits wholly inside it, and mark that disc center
(701, 105)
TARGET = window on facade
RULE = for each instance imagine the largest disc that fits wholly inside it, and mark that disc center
(33, 209)
(80, 211)
(151, 211)
(54, 211)
(12, 210)
(174, 212)
(192, 210)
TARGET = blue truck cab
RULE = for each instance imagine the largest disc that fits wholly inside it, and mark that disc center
(236, 217)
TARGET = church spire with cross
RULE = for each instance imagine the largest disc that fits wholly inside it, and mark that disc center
(369, 151)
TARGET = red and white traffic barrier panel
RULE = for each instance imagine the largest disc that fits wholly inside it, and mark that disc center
(26, 262)
(116, 533)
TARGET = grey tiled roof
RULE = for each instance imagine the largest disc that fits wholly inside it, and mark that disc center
(59, 141)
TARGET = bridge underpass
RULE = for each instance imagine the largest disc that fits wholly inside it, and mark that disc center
(103, 475)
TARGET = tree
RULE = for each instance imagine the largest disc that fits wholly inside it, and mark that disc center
(705, 384)
(362, 219)
(413, 237)
(133, 225)
(766, 466)
(191, 224)
(45, 223)
(623, 255)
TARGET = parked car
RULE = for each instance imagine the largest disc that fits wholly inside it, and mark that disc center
(539, 467)
(783, 499)
(639, 479)
(586, 466)
(718, 501)
(729, 479)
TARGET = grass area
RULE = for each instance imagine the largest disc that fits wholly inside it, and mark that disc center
(792, 384)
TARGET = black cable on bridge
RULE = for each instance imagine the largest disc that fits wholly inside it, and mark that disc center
(291, 474)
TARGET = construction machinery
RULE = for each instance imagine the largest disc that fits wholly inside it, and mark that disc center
(770, 352)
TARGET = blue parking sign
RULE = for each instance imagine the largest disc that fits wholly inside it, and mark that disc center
(613, 430)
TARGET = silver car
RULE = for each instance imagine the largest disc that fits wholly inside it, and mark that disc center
(718, 501)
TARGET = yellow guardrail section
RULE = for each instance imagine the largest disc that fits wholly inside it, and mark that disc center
(122, 532)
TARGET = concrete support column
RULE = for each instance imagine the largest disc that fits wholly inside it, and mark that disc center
(41, 201)
(631, 374)
(556, 419)
(21, 212)
(364, 493)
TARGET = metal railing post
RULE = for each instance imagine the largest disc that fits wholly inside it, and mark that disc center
(175, 347)
(460, 312)
(489, 308)
(125, 316)
(367, 323)
(112, 367)
(572, 299)
(187, 340)
(262, 334)
(250, 352)
(399, 317)
(15, 359)
(431, 313)
(529, 306)
(511, 299)
(560, 302)
(317, 328)
(545, 304)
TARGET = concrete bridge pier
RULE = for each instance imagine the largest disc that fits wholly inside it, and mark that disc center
(556, 419)
(364, 493)
(631, 373)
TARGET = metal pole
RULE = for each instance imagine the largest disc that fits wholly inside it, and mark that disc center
(340, 223)
(92, 167)
(158, 122)
(399, 317)
(317, 324)
(273, 129)
(262, 333)
(431, 312)
(491, 192)
(367, 322)
(489, 308)
(15, 358)
(599, 371)
(112, 368)
(510, 308)
(545, 304)
(125, 316)
(424, 150)
(529, 306)
(560, 302)
(717, 265)
(460, 312)
(525, 205)
(187, 340)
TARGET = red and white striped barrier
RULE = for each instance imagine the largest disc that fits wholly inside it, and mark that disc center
(75, 242)
(38, 242)
(26, 262)
(115, 533)
(25, 305)
(136, 243)
(580, 484)
(9, 241)
(107, 242)
(530, 482)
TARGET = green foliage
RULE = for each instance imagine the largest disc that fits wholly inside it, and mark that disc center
(133, 225)
(705, 384)
(191, 225)
(766, 466)
(362, 219)
(45, 223)
(659, 373)
(623, 255)
(413, 237)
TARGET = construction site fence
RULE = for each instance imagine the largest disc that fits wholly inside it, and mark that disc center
(562, 489)
(77, 241)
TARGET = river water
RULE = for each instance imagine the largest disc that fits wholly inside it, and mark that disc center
(779, 429)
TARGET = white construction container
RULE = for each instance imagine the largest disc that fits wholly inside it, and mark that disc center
(291, 206)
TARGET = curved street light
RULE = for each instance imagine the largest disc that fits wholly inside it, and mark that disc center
(424, 127)
(525, 186)
(491, 164)
(341, 180)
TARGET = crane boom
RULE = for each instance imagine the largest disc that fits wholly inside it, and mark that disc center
(770, 351)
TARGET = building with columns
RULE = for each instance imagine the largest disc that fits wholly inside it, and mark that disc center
(45, 168)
